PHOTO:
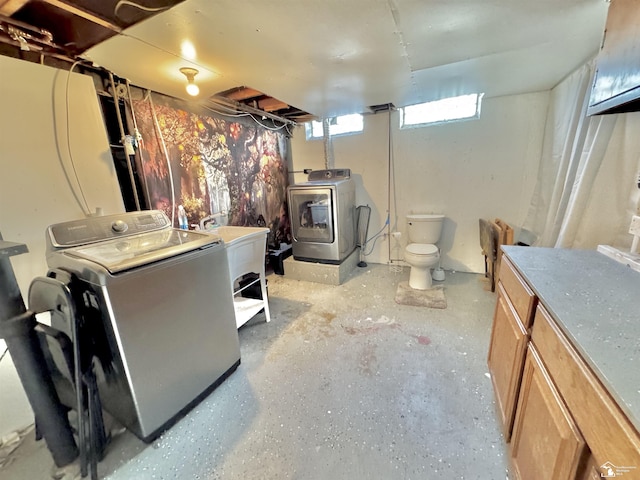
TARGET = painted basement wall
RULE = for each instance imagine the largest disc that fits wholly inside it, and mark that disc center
(484, 168)
(34, 191)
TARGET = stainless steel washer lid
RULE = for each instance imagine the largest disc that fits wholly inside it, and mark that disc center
(133, 251)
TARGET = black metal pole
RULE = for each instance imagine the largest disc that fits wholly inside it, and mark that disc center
(16, 328)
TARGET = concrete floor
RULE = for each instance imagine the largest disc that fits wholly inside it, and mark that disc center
(343, 383)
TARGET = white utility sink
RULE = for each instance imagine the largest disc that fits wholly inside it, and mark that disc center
(232, 235)
(246, 250)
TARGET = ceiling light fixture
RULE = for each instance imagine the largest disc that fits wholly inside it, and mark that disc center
(190, 73)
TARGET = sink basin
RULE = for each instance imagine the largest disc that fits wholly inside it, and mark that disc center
(231, 235)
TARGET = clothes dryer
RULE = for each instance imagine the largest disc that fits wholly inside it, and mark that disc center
(323, 220)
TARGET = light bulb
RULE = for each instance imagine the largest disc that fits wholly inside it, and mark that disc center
(192, 89)
(190, 73)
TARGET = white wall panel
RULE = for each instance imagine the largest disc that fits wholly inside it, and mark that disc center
(466, 170)
(34, 189)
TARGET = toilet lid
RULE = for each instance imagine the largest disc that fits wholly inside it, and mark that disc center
(422, 249)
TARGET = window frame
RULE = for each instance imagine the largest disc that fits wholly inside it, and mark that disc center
(309, 129)
(478, 108)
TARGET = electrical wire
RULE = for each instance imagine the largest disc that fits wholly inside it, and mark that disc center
(266, 126)
(122, 3)
(375, 238)
(230, 115)
(389, 183)
(85, 208)
(366, 254)
(251, 115)
(286, 127)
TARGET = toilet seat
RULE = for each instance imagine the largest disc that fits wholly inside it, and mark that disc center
(426, 249)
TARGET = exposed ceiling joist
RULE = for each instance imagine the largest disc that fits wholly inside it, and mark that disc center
(262, 102)
(242, 93)
(270, 104)
(241, 107)
(70, 27)
(9, 7)
(82, 13)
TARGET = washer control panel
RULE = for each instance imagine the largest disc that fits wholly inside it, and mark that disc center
(97, 229)
(119, 226)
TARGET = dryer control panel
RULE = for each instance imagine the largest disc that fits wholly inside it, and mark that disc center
(332, 174)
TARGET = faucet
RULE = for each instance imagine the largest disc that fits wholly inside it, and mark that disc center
(214, 220)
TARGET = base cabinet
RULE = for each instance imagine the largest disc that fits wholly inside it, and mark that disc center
(546, 442)
(559, 419)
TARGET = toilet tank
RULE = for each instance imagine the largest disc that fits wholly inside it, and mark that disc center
(424, 228)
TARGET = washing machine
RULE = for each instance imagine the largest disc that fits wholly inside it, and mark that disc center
(322, 212)
(163, 333)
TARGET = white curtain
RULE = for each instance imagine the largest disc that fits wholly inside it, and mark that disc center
(586, 189)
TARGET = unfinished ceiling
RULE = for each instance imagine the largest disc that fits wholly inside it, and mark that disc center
(328, 57)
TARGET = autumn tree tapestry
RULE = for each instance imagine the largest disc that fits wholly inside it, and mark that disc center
(233, 169)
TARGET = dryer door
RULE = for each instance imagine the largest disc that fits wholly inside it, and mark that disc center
(312, 214)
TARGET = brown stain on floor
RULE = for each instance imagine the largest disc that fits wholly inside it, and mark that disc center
(421, 339)
(311, 326)
(314, 324)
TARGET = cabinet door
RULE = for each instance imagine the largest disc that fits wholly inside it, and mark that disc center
(616, 79)
(609, 433)
(506, 357)
(546, 442)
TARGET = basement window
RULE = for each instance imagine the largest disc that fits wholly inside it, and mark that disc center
(446, 110)
(341, 125)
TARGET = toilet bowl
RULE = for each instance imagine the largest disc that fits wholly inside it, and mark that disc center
(422, 257)
(421, 253)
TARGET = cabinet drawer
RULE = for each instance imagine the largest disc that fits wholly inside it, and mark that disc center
(521, 296)
(607, 431)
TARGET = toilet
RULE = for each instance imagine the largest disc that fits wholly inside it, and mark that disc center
(421, 253)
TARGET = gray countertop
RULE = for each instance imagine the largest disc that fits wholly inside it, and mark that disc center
(596, 303)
